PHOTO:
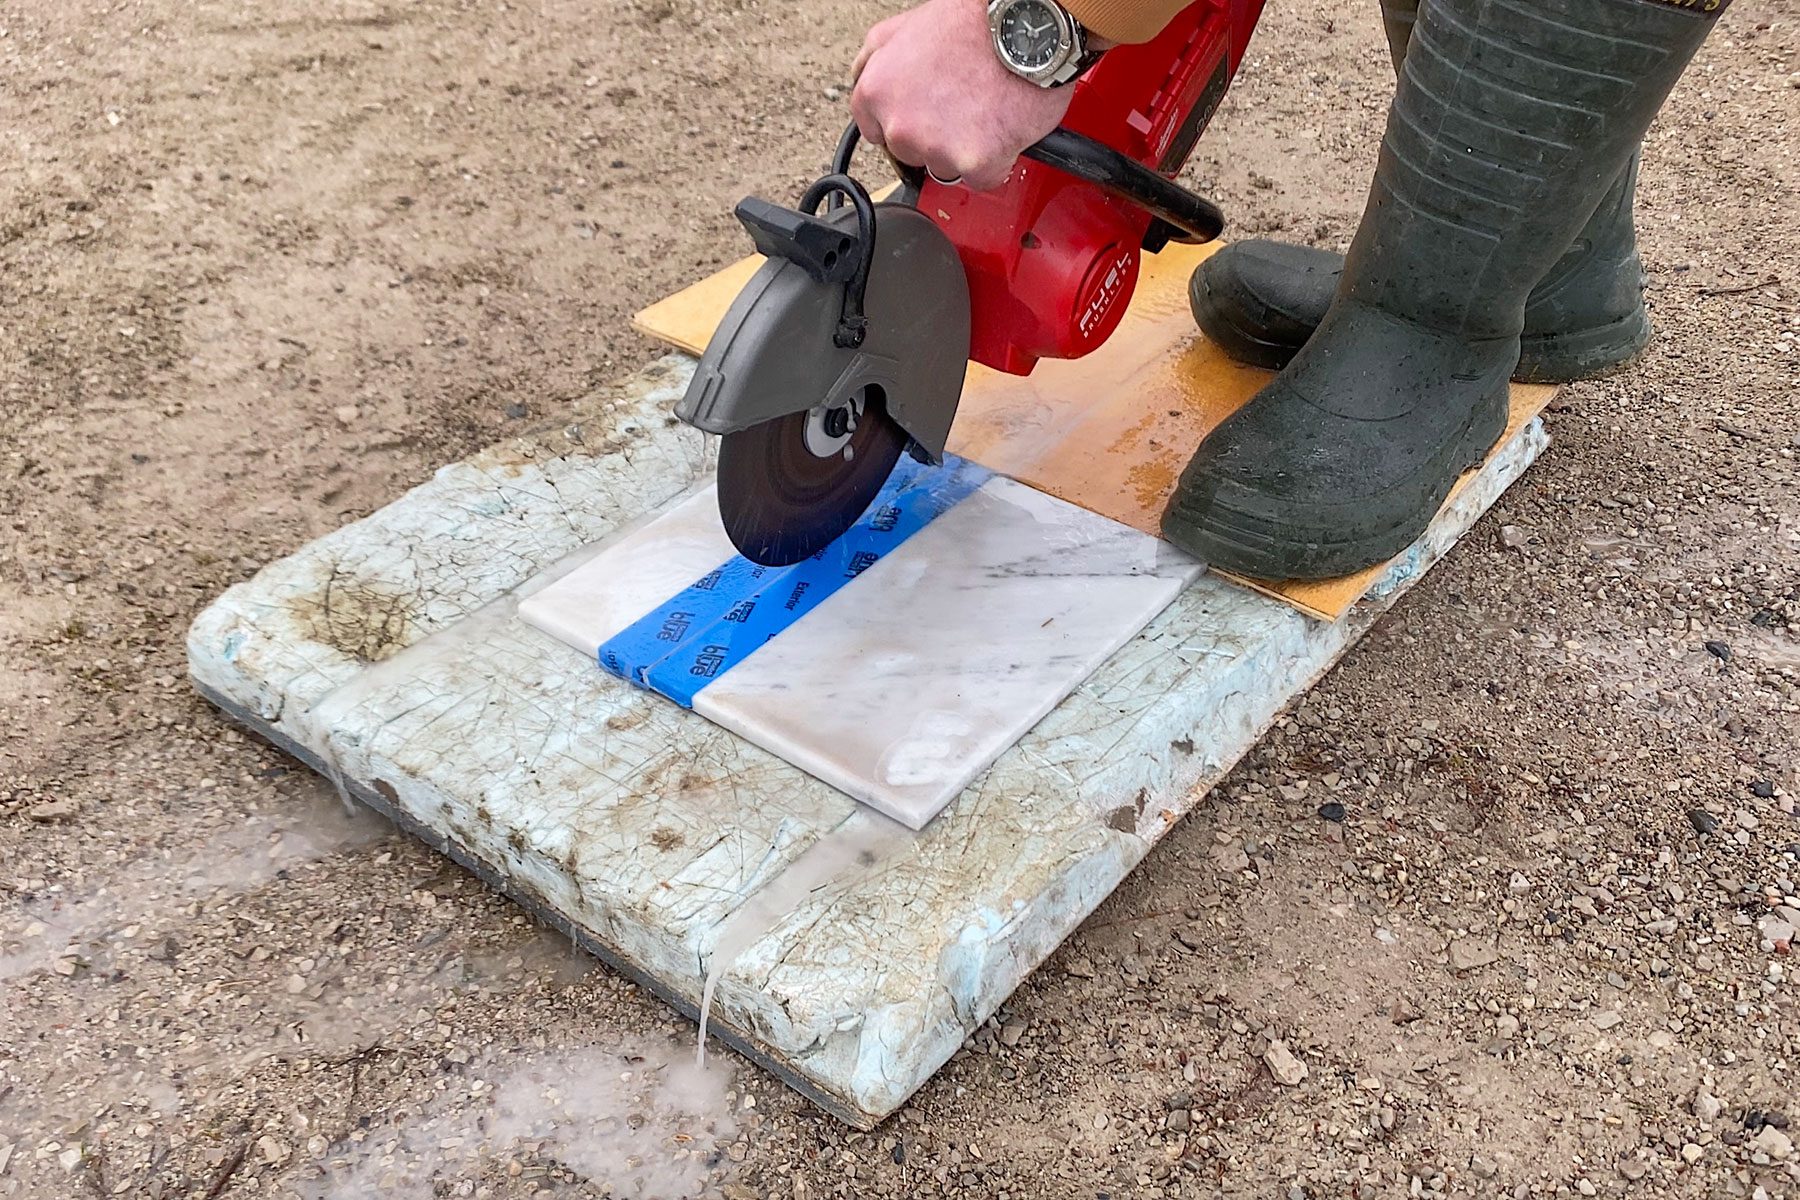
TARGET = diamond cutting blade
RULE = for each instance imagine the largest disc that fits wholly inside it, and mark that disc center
(811, 430)
(790, 487)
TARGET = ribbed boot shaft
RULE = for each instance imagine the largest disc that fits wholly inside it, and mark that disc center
(1511, 122)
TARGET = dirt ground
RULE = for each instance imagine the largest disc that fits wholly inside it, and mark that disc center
(264, 266)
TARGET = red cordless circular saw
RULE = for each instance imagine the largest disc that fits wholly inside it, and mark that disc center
(849, 345)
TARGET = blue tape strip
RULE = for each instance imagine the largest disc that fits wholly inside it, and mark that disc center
(724, 617)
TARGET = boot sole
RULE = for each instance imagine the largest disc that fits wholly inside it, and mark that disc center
(1586, 354)
(1263, 558)
(1543, 358)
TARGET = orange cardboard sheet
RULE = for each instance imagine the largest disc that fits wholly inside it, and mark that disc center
(1110, 432)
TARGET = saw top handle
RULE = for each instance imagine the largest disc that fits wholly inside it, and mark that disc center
(1184, 216)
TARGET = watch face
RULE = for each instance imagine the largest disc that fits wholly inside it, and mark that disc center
(1030, 34)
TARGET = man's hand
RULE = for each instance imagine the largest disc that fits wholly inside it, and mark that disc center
(930, 88)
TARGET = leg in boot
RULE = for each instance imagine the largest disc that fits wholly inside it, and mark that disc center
(1511, 121)
(1260, 300)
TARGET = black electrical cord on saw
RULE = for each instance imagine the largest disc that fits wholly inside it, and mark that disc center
(853, 325)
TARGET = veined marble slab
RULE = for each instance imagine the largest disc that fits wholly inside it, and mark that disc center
(390, 655)
(910, 679)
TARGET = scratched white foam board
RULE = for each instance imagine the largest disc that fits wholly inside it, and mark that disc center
(389, 654)
(911, 677)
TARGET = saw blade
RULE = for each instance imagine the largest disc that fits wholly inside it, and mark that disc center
(811, 429)
(790, 487)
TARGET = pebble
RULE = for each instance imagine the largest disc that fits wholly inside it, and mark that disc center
(1776, 929)
(1774, 1143)
(1331, 810)
(1231, 858)
(1719, 650)
(1692, 1154)
(1471, 953)
(1513, 538)
(1707, 1106)
(1763, 789)
(1633, 1169)
(1607, 1019)
(1282, 1064)
(346, 414)
(52, 810)
(1702, 821)
(1179, 1121)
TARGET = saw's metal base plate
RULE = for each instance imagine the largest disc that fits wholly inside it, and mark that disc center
(388, 654)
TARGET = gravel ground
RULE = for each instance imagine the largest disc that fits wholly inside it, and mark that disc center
(1504, 908)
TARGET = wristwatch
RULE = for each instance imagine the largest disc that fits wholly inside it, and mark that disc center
(1038, 40)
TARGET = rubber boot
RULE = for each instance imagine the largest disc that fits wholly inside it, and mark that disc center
(1511, 120)
(1260, 300)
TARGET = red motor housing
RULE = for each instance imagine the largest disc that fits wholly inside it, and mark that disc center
(1052, 260)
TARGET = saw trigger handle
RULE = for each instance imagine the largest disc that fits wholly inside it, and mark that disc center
(1188, 217)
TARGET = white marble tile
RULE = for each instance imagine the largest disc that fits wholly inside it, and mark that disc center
(631, 574)
(903, 687)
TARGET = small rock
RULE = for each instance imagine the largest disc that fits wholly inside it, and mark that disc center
(295, 985)
(517, 411)
(1763, 789)
(1586, 1188)
(1707, 1106)
(1486, 1168)
(346, 414)
(1179, 1121)
(1774, 1143)
(273, 1150)
(1513, 538)
(1776, 929)
(1691, 1154)
(1011, 1032)
(1702, 821)
(70, 1159)
(52, 810)
(1190, 937)
(1633, 1169)
(1472, 953)
(1282, 1064)
(1719, 650)
(1506, 1026)
(1607, 1018)
(1331, 810)
(1079, 967)
(1231, 858)
(1518, 885)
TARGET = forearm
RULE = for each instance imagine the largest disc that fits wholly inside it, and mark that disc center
(1125, 20)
